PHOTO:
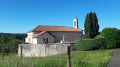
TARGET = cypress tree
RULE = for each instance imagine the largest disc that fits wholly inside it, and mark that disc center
(87, 26)
(91, 26)
(95, 25)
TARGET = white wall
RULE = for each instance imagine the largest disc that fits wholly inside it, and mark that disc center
(35, 41)
(29, 35)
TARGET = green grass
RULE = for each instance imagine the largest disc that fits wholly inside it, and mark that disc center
(98, 58)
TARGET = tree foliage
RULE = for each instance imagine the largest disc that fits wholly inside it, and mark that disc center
(9, 42)
(91, 27)
(112, 36)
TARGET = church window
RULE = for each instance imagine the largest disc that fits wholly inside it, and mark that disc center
(45, 40)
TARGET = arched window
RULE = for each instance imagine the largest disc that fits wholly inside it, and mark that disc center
(74, 23)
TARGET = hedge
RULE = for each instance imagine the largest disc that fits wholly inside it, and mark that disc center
(112, 36)
(91, 44)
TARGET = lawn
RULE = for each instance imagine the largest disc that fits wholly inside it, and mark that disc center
(97, 58)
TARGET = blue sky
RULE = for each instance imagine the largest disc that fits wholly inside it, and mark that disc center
(20, 16)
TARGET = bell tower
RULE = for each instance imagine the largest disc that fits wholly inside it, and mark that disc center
(75, 22)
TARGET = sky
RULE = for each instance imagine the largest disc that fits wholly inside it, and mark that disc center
(20, 16)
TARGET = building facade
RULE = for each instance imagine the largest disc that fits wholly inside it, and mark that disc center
(54, 34)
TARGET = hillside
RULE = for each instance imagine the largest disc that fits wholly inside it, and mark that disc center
(9, 41)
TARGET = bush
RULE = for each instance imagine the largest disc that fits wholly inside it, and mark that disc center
(112, 36)
(91, 44)
(99, 36)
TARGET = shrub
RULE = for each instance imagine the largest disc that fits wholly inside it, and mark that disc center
(112, 36)
(90, 44)
(99, 36)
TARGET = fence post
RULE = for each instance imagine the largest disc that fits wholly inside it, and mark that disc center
(21, 50)
(68, 57)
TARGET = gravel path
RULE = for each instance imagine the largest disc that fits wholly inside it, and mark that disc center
(115, 60)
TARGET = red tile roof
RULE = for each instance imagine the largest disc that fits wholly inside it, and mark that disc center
(54, 28)
(37, 35)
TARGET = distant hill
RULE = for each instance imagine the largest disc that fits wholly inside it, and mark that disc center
(19, 36)
(9, 41)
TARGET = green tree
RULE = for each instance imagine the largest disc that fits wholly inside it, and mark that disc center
(112, 36)
(91, 27)
(87, 26)
(10, 42)
(95, 25)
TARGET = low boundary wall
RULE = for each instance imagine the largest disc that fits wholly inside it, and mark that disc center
(42, 50)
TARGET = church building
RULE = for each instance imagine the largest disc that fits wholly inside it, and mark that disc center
(54, 34)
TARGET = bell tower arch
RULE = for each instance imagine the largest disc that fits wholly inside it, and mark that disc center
(75, 22)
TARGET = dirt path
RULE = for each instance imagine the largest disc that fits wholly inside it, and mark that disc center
(115, 60)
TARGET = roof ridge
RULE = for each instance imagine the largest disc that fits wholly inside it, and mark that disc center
(54, 28)
(39, 34)
(53, 25)
(36, 27)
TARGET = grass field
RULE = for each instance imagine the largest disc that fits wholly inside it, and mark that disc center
(98, 58)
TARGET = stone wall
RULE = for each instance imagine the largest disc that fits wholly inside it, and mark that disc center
(42, 50)
(68, 36)
(45, 35)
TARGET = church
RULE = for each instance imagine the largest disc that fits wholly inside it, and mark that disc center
(54, 34)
